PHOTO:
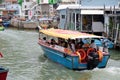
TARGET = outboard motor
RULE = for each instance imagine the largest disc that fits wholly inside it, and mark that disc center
(93, 60)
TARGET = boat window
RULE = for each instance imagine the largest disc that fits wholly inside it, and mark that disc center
(86, 40)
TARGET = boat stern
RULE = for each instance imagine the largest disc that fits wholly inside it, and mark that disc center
(104, 61)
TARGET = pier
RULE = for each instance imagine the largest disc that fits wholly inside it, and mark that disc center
(114, 35)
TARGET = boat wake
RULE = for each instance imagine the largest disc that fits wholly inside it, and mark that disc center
(113, 66)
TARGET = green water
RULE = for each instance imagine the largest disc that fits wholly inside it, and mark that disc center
(24, 58)
(115, 54)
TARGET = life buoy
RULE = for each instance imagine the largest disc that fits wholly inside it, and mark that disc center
(82, 54)
(100, 55)
(90, 50)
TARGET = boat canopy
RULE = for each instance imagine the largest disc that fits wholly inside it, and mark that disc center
(67, 34)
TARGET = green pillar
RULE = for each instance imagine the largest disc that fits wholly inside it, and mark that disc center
(20, 2)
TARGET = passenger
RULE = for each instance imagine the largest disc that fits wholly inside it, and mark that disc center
(59, 41)
(79, 45)
(66, 49)
(44, 39)
(63, 43)
(53, 42)
(72, 45)
(93, 45)
(105, 45)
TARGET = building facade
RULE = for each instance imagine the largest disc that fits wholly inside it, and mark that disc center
(89, 17)
(29, 9)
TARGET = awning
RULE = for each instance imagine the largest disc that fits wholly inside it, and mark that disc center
(45, 19)
(67, 34)
(92, 12)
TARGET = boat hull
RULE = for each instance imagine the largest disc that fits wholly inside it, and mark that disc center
(3, 73)
(69, 61)
(6, 24)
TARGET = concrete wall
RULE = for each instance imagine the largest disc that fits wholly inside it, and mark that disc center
(29, 25)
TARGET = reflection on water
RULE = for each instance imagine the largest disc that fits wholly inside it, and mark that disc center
(115, 54)
(25, 60)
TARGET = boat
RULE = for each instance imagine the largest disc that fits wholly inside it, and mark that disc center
(1, 26)
(77, 59)
(6, 23)
(3, 71)
(45, 22)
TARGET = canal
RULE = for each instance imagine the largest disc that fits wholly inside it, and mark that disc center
(25, 60)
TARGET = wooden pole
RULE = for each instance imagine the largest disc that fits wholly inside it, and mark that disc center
(115, 41)
(75, 21)
(66, 23)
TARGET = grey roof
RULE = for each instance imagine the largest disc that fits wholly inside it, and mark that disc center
(100, 2)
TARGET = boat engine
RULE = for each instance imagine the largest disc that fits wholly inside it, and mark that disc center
(93, 60)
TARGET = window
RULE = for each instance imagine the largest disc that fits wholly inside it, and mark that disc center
(63, 16)
(26, 12)
(25, 6)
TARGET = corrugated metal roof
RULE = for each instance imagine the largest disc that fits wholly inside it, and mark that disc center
(100, 2)
(76, 6)
(70, 6)
(92, 4)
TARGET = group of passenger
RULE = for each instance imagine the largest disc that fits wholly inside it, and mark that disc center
(73, 45)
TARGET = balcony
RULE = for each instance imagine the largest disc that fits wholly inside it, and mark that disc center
(2, 7)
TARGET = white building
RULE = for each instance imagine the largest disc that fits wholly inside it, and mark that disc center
(31, 9)
(28, 9)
